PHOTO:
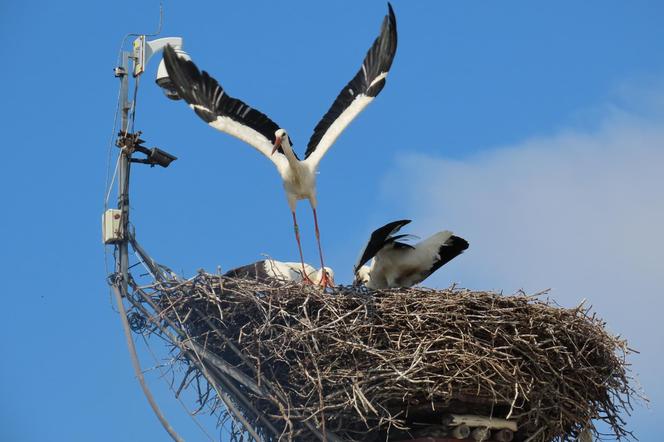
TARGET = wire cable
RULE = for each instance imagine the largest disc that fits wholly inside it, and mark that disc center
(170, 387)
(137, 367)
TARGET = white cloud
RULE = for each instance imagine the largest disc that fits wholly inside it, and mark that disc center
(580, 212)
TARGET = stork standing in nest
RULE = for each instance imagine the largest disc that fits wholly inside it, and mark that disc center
(399, 264)
(210, 102)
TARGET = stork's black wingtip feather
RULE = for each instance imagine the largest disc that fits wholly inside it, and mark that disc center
(401, 222)
(172, 62)
(170, 57)
(394, 226)
(391, 13)
(169, 52)
(172, 66)
(389, 37)
(392, 21)
(458, 243)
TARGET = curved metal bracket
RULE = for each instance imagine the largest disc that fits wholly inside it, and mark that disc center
(144, 50)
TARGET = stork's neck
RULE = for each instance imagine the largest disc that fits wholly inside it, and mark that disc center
(290, 155)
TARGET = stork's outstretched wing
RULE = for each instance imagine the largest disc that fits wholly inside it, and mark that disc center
(450, 249)
(211, 102)
(358, 93)
(417, 264)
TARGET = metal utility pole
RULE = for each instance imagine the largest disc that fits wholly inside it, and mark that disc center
(123, 174)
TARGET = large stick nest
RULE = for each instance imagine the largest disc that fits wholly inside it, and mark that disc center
(382, 365)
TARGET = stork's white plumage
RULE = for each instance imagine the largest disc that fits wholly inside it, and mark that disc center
(269, 270)
(227, 114)
(399, 264)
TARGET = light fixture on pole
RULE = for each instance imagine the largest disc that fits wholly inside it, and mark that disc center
(144, 50)
(154, 156)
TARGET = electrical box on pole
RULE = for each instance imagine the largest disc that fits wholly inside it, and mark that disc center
(111, 226)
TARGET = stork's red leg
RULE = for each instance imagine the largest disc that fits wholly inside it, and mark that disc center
(325, 280)
(305, 277)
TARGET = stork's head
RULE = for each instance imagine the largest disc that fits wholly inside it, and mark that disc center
(280, 136)
(362, 276)
(317, 276)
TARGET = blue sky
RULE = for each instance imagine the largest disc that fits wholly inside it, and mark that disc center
(533, 130)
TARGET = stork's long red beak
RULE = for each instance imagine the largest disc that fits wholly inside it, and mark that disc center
(277, 144)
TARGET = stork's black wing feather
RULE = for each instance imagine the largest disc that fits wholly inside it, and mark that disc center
(452, 248)
(250, 271)
(380, 238)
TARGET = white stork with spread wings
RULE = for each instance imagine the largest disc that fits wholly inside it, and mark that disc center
(227, 114)
(399, 264)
